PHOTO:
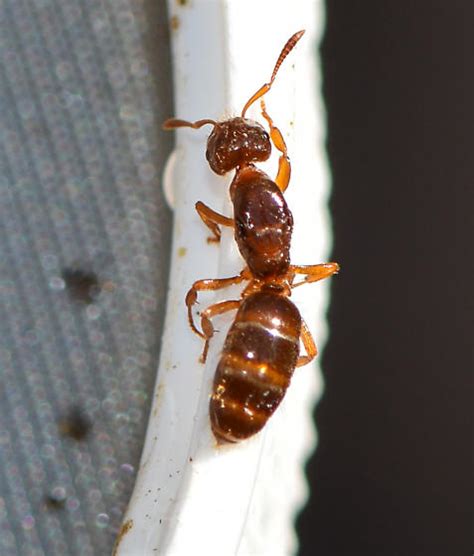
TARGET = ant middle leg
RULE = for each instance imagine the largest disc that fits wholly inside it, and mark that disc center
(212, 219)
(314, 272)
(209, 285)
(284, 166)
(206, 323)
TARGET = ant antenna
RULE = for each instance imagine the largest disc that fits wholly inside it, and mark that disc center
(173, 123)
(291, 43)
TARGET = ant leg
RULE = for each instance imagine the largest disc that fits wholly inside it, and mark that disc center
(208, 285)
(309, 346)
(206, 324)
(314, 272)
(290, 44)
(253, 286)
(211, 219)
(284, 166)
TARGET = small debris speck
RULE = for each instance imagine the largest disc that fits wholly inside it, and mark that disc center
(82, 285)
(75, 424)
(174, 23)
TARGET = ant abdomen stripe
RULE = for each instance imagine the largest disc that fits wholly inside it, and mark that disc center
(252, 377)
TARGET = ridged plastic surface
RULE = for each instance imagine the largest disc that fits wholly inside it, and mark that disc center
(84, 244)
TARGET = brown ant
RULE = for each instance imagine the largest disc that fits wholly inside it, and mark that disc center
(261, 349)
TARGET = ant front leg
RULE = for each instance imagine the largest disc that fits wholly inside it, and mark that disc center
(309, 345)
(208, 285)
(284, 167)
(212, 220)
(206, 324)
(314, 272)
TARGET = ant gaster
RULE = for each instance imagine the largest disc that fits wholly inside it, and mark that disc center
(261, 349)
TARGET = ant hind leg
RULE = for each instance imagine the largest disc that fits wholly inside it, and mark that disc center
(208, 285)
(309, 345)
(206, 323)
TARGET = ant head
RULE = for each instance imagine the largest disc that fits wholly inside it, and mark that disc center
(237, 142)
(232, 143)
(240, 141)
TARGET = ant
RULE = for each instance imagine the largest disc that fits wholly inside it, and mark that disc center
(261, 349)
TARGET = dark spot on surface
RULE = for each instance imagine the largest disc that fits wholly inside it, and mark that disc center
(54, 502)
(81, 285)
(182, 2)
(75, 424)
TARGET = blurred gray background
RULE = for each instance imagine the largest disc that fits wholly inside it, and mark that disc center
(84, 241)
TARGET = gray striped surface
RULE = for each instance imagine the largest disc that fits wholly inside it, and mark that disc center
(84, 241)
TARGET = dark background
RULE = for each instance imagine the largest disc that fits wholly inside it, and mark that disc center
(393, 471)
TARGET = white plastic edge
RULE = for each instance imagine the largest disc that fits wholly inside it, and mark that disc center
(192, 496)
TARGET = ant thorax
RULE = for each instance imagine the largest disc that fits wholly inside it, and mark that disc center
(280, 287)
